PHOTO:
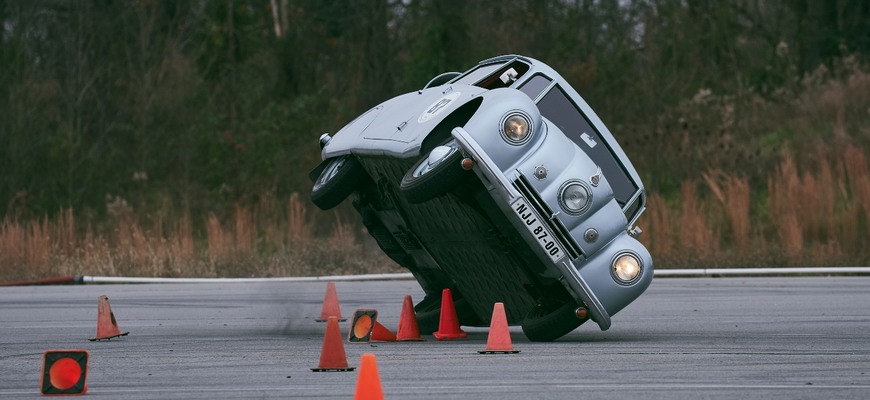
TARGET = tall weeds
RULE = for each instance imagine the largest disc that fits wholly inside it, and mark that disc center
(255, 240)
(814, 213)
(817, 214)
(733, 195)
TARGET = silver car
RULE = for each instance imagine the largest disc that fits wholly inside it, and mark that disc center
(501, 184)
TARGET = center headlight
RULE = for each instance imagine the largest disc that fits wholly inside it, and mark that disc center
(516, 128)
(626, 268)
(574, 197)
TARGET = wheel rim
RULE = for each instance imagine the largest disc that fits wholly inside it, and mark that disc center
(436, 157)
(330, 172)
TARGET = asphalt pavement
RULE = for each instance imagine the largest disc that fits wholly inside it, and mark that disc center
(690, 338)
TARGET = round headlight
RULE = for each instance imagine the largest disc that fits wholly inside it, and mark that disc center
(626, 268)
(575, 197)
(516, 128)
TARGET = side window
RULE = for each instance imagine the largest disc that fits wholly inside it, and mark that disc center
(478, 74)
(505, 76)
(533, 87)
(494, 76)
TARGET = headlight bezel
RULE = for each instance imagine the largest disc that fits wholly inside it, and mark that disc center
(563, 203)
(520, 116)
(616, 273)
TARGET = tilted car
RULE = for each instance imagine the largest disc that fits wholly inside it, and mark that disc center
(503, 185)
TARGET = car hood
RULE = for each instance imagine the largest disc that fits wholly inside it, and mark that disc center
(398, 126)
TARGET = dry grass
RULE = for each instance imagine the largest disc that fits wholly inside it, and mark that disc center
(733, 195)
(259, 240)
(697, 238)
(784, 207)
(815, 213)
(659, 228)
(786, 181)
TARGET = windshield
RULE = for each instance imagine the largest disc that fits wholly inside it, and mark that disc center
(534, 86)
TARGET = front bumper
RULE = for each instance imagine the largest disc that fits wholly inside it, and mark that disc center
(503, 190)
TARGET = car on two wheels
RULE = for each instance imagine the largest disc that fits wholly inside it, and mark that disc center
(502, 184)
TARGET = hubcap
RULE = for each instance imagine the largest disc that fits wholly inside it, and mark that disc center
(436, 157)
(330, 172)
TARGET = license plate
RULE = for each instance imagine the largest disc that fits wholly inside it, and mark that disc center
(536, 227)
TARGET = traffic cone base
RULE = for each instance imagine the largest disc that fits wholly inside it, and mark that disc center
(97, 339)
(332, 357)
(318, 369)
(499, 339)
(449, 336)
(362, 325)
(368, 383)
(64, 373)
(498, 351)
(107, 326)
(408, 329)
(331, 307)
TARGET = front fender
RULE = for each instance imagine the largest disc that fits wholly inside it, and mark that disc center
(596, 271)
(485, 127)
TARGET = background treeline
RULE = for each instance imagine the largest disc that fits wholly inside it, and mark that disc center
(174, 138)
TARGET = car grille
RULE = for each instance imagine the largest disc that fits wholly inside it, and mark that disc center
(559, 231)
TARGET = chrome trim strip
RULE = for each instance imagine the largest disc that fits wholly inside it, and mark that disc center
(556, 226)
(640, 210)
(546, 89)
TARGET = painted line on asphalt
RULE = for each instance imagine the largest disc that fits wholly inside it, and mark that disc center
(707, 272)
(325, 278)
(664, 273)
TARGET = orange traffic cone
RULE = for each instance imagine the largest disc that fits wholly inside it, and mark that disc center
(365, 328)
(381, 334)
(330, 305)
(362, 324)
(64, 372)
(332, 356)
(107, 327)
(368, 382)
(408, 329)
(448, 324)
(499, 339)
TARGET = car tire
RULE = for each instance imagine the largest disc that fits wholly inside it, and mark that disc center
(337, 181)
(546, 324)
(433, 175)
(428, 314)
